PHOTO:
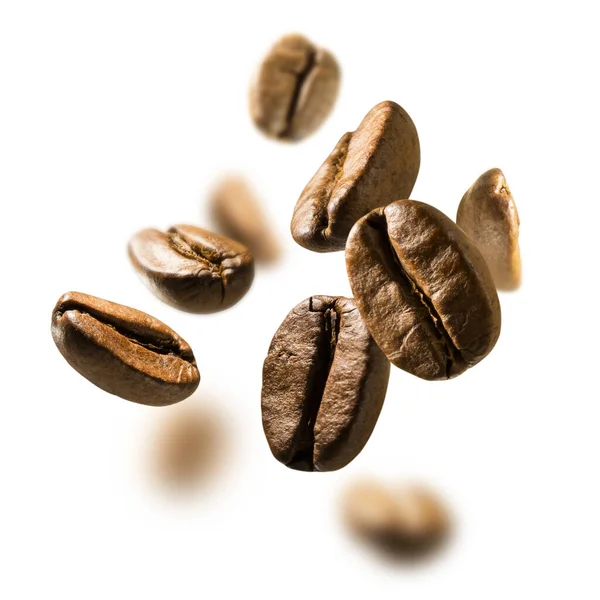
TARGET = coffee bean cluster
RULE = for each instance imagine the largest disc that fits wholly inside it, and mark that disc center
(424, 287)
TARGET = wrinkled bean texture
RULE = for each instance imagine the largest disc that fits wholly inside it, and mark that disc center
(423, 289)
(324, 383)
(407, 522)
(123, 350)
(238, 214)
(191, 268)
(370, 167)
(488, 215)
(294, 89)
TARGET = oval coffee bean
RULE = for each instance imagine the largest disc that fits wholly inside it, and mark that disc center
(370, 167)
(123, 350)
(409, 522)
(324, 382)
(192, 269)
(488, 215)
(188, 446)
(423, 289)
(238, 214)
(294, 89)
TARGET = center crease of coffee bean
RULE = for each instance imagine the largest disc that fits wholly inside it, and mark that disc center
(339, 163)
(338, 167)
(183, 247)
(311, 61)
(452, 353)
(304, 452)
(134, 337)
(197, 252)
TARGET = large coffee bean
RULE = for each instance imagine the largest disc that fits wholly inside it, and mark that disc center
(423, 289)
(123, 350)
(324, 382)
(370, 167)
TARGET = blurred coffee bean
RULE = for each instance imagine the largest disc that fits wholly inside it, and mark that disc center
(488, 215)
(294, 89)
(408, 522)
(237, 213)
(188, 447)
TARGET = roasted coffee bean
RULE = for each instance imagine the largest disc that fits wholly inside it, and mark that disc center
(488, 215)
(423, 289)
(370, 167)
(237, 213)
(189, 446)
(409, 522)
(123, 350)
(324, 382)
(192, 269)
(294, 90)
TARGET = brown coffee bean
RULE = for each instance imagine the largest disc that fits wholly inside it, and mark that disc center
(409, 522)
(123, 350)
(423, 289)
(294, 89)
(488, 215)
(192, 269)
(188, 447)
(370, 167)
(237, 213)
(324, 382)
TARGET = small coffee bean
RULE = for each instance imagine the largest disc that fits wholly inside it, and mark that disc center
(294, 90)
(237, 213)
(324, 382)
(488, 215)
(423, 289)
(370, 167)
(188, 447)
(192, 269)
(123, 350)
(409, 522)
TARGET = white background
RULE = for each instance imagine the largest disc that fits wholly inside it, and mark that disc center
(119, 115)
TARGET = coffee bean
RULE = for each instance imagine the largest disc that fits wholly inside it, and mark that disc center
(370, 167)
(324, 382)
(488, 215)
(192, 269)
(189, 446)
(238, 214)
(294, 89)
(423, 289)
(409, 522)
(123, 350)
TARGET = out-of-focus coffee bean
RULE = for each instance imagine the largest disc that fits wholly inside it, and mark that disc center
(189, 447)
(294, 89)
(407, 522)
(237, 213)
